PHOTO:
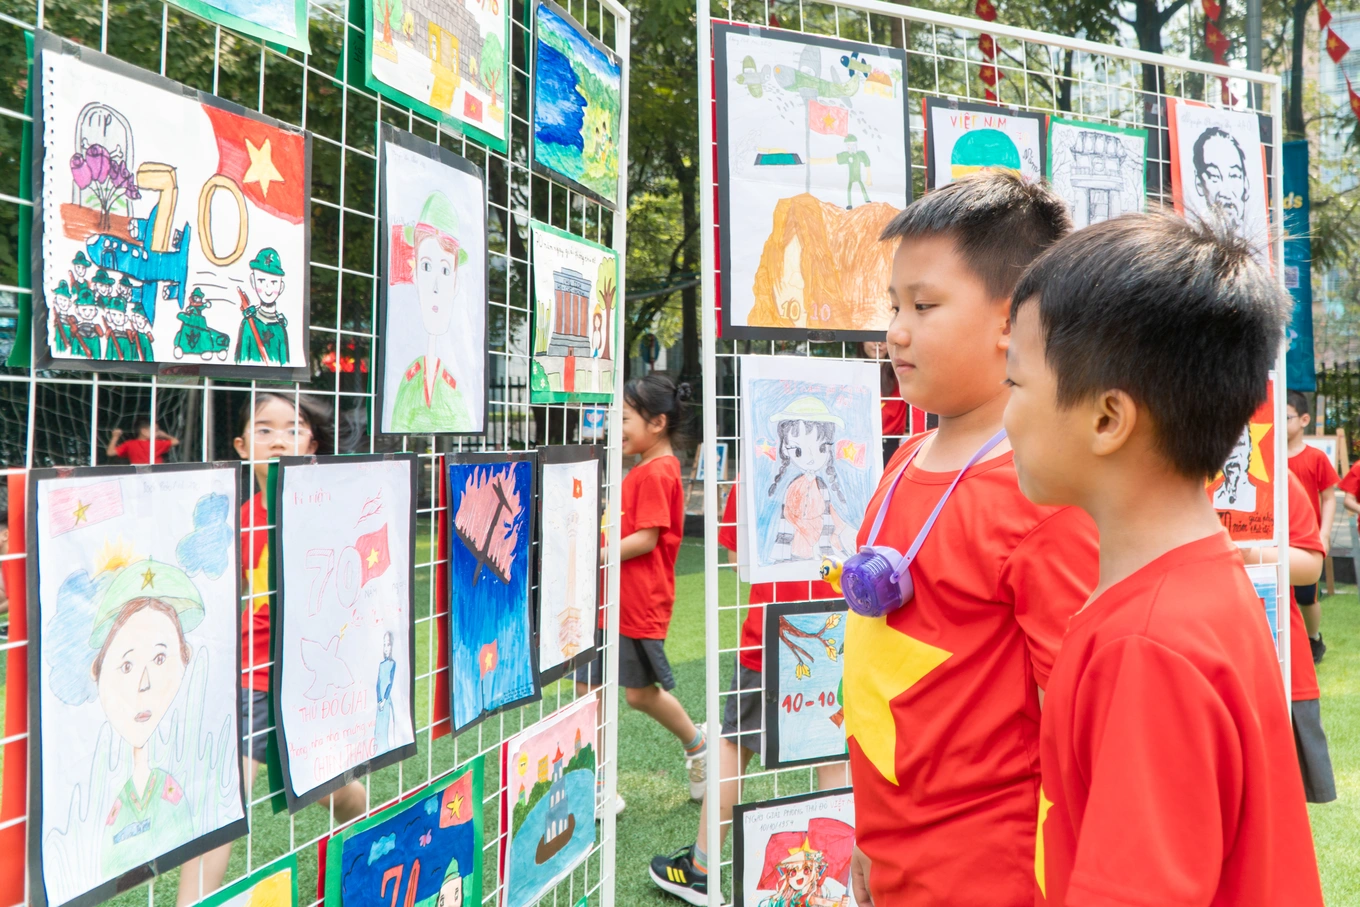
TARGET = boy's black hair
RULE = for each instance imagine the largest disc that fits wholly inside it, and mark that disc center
(1176, 313)
(999, 223)
(312, 410)
(657, 395)
(1297, 400)
(140, 423)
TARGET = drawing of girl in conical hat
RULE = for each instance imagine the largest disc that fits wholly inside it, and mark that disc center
(141, 657)
(810, 526)
(428, 398)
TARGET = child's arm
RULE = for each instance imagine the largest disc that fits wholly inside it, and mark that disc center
(639, 543)
(1350, 503)
(1328, 516)
(114, 440)
(1305, 565)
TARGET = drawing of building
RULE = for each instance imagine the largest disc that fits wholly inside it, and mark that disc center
(543, 769)
(577, 750)
(560, 822)
(449, 33)
(1098, 160)
(571, 314)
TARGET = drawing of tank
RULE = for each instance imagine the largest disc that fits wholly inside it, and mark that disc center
(194, 337)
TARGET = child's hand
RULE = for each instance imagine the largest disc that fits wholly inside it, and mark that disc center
(859, 877)
(117, 433)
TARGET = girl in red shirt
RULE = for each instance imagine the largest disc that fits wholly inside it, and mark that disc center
(272, 426)
(652, 523)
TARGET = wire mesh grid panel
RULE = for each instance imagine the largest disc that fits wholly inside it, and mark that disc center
(961, 62)
(56, 417)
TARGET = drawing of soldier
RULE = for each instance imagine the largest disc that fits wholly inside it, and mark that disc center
(450, 890)
(141, 326)
(89, 326)
(102, 286)
(853, 159)
(122, 341)
(64, 324)
(264, 330)
(125, 289)
(78, 266)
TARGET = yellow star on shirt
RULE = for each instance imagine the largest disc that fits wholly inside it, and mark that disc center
(262, 169)
(81, 507)
(372, 557)
(881, 664)
(1045, 805)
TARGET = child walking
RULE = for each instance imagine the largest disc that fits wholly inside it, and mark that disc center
(1139, 349)
(275, 425)
(651, 526)
(942, 693)
(1315, 471)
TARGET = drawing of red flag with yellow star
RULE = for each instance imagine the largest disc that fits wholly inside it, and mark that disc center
(828, 119)
(268, 163)
(457, 803)
(374, 555)
(1243, 492)
(84, 505)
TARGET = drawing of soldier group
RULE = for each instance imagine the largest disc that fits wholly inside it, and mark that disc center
(97, 317)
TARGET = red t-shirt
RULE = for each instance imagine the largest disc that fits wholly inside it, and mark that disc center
(1303, 533)
(1168, 756)
(1314, 469)
(653, 497)
(255, 576)
(894, 417)
(752, 648)
(1351, 482)
(941, 706)
(138, 450)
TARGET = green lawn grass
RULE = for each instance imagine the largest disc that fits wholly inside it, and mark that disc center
(660, 817)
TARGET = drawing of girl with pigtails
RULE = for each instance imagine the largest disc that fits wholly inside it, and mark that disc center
(810, 525)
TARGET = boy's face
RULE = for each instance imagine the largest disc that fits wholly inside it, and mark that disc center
(948, 335)
(1051, 454)
(1294, 423)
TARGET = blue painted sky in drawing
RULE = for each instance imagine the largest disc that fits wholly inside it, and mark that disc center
(279, 15)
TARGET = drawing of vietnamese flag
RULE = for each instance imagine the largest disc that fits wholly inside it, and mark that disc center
(828, 120)
(83, 505)
(457, 804)
(374, 554)
(268, 163)
(487, 658)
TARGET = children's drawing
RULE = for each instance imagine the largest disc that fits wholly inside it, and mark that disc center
(803, 647)
(279, 21)
(1265, 580)
(548, 802)
(274, 885)
(446, 59)
(492, 661)
(1244, 491)
(576, 285)
(813, 454)
(1218, 167)
(1097, 168)
(964, 138)
(569, 558)
(343, 681)
(434, 343)
(813, 162)
(576, 85)
(424, 852)
(794, 851)
(174, 230)
(134, 753)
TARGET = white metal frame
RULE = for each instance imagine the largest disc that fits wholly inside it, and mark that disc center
(853, 19)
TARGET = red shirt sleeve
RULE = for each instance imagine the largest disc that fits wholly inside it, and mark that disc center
(161, 447)
(1303, 525)
(1048, 578)
(124, 450)
(1351, 483)
(727, 533)
(1161, 750)
(1326, 472)
(652, 503)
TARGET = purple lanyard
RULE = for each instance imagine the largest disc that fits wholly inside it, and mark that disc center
(930, 521)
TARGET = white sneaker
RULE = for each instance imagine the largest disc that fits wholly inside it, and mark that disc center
(697, 767)
(619, 803)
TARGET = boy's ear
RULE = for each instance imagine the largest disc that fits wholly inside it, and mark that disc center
(1114, 419)
(1305, 419)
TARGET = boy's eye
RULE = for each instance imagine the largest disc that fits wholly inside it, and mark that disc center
(1009, 383)
(125, 667)
(923, 306)
(159, 659)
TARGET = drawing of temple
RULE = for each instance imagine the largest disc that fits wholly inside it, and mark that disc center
(1098, 160)
(451, 38)
(543, 769)
(560, 822)
(569, 619)
(571, 314)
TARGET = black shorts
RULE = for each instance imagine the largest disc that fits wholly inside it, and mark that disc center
(642, 663)
(255, 726)
(1306, 595)
(743, 712)
(1319, 785)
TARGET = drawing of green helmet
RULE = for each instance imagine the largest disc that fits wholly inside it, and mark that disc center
(102, 278)
(267, 261)
(63, 290)
(117, 303)
(439, 217)
(197, 296)
(806, 409)
(147, 579)
(81, 260)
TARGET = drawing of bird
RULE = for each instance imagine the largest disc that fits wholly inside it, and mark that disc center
(426, 838)
(327, 668)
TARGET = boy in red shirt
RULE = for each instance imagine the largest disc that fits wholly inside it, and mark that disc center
(1139, 348)
(1314, 469)
(942, 694)
(138, 450)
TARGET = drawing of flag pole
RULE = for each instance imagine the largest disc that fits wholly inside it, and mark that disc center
(485, 524)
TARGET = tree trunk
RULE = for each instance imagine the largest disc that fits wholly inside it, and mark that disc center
(1065, 83)
(1294, 125)
(689, 297)
(1147, 25)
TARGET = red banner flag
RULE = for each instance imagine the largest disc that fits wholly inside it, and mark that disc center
(989, 74)
(1211, 9)
(985, 10)
(987, 45)
(83, 505)
(1216, 41)
(374, 555)
(1324, 15)
(1355, 98)
(1336, 48)
(827, 119)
